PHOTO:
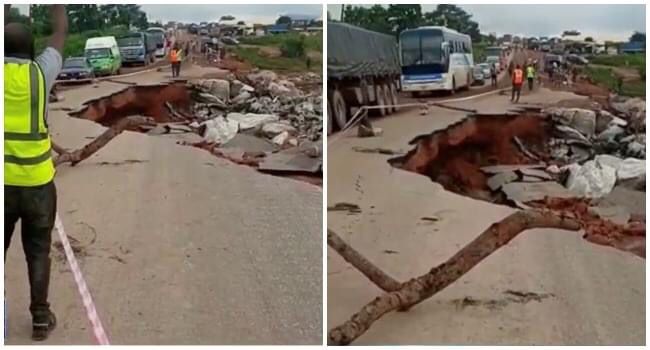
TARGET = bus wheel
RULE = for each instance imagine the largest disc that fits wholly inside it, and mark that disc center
(380, 97)
(393, 96)
(340, 109)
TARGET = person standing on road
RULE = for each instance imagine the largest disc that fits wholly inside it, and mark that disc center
(493, 74)
(530, 76)
(517, 82)
(30, 193)
(175, 60)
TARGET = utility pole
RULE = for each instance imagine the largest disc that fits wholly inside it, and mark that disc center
(342, 12)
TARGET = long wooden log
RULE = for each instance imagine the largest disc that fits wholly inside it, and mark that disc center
(374, 274)
(421, 288)
(95, 145)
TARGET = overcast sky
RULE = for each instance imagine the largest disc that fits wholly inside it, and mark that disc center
(199, 13)
(603, 22)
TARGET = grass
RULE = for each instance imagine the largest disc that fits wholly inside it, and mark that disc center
(607, 78)
(76, 42)
(625, 60)
(253, 56)
(312, 42)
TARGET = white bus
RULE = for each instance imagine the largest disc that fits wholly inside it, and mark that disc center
(435, 58)
(159, 37)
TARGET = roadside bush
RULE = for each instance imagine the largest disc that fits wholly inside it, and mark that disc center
(293, 47)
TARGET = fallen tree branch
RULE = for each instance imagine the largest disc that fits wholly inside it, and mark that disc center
(421, 288)
(77, 156)
(453, 108)
(374, 274)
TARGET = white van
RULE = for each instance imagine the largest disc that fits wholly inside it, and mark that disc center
(104, 55)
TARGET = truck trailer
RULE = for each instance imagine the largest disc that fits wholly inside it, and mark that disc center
(362, 70)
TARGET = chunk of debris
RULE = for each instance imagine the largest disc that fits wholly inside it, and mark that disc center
(376, 150)
(532, 191)
(495, 169)
(343, 206)
(496, 181)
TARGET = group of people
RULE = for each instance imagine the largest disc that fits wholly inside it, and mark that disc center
(518, 73)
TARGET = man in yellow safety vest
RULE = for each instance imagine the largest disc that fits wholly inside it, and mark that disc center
(530, 76)
(30, 194)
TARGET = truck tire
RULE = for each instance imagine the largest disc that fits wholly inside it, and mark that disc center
(393, 96)
(388, 98)
(330, 120)
(380, 99)
(340, 109)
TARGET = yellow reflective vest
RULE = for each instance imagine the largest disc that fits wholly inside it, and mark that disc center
(28, 160)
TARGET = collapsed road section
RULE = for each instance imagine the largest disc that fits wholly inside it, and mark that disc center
(585, 163)
(258, 120)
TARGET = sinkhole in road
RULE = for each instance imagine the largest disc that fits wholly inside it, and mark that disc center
(453, 157)
(145, 100)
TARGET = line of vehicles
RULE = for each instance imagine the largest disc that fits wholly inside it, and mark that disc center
(107, 55)
(366, 68)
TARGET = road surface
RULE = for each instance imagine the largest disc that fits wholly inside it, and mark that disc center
(177, 246)
(592, 295)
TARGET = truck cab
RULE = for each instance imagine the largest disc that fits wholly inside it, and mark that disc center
(137, 47)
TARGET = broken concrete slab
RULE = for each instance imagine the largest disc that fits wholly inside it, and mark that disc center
(614, 213)
(250, 143)
(495, 182)
(532, 191)
(290, 161)
(536, 173)
(527, 178)
(495, 169)
(633, 201)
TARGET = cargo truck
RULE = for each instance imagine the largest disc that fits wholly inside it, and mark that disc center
(362, 70)
(137, 47)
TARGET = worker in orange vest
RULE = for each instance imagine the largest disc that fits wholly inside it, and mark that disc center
(175, 59)
(517, 82)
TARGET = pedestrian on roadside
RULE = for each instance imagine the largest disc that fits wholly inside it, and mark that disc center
(493, 75)
(30, 193)
(175, 60)
(517, 82)
(530, 76)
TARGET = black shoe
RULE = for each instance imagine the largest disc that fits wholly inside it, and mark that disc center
(40, 331)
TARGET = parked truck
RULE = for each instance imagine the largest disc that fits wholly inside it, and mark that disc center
(137, 47)
(362, 70)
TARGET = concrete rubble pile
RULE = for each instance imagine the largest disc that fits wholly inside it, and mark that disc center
(599, 148)
(260, 115)
(266, 106)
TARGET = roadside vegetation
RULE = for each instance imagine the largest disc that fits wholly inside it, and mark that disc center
(297, 52)
(604, 74)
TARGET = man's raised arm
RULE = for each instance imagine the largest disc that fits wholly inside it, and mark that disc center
(59, 27)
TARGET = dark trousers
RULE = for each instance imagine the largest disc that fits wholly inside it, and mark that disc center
(176, 69)
(516, 90)
(494, 80)
(36, 209)
(530, 84)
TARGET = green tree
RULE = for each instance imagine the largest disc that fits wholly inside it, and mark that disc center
(283, 20)
(638, 36)
(403, 17)
(589, 39)
(454, 17)
(227, 18)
